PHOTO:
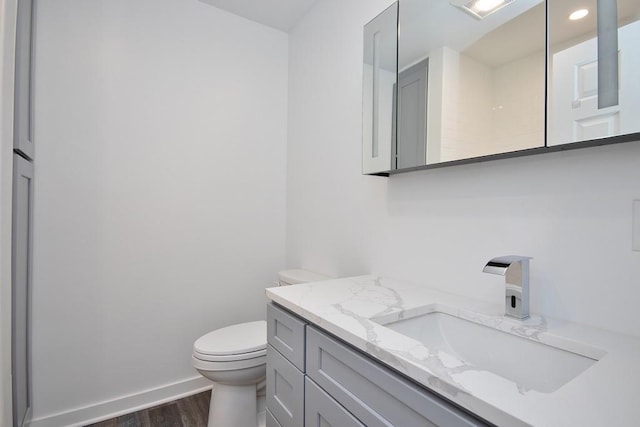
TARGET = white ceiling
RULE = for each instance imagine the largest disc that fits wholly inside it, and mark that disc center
(280, 14)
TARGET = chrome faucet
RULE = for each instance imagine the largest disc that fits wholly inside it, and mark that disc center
(516, 271)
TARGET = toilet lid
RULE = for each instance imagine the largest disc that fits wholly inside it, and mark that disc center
(235, 339)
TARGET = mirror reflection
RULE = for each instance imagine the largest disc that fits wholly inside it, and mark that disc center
(594, 83)
(471, 79)
(474, 78)
(379, 83)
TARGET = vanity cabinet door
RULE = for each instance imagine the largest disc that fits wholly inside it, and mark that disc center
(285, 390)
(285, 333)
(374, 394)
(320, 410)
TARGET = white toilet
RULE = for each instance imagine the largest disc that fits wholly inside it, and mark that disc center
(234, 358)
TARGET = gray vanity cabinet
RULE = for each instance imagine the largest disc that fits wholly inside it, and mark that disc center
(373, 393)
(286, 333)
(285, 390)
(339, 386)
(285, 368)
(23, 117)
(271, 421)
(321, 410)
(22, 235)
(22, 222)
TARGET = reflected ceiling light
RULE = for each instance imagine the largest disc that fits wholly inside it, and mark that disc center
(578, 14)
(480, 8)
(487, 5)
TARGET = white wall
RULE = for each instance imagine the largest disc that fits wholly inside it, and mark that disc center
(8, 11)
(570, 210)
(160, 189)
(331, 207)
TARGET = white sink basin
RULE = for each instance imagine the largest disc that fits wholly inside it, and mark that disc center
(525, 361)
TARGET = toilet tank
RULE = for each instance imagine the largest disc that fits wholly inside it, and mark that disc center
(293, 277)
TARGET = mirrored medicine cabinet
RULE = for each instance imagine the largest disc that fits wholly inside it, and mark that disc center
(447, 82)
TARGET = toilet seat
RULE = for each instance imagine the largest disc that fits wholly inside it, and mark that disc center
(227, 365)
(229, 357)
(243, 341)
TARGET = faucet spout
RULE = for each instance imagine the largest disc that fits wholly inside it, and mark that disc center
(515, 268)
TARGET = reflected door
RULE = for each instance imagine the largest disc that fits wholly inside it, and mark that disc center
(594, 84)
(412, 116)
(576, 116)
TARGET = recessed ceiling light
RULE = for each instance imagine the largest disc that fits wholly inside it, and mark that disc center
(480, 8)
(578, 14)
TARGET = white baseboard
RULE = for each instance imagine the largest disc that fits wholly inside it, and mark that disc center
(124, 404)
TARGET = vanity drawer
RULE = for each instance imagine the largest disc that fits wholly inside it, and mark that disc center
(320, 410)
(286, 333)
(374, 394)
(285, 390)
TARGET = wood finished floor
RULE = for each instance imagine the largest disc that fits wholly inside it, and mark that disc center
(192, 411)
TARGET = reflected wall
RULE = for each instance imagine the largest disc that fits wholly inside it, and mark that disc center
(485, 82)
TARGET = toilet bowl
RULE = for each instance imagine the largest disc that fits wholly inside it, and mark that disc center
(234, 358)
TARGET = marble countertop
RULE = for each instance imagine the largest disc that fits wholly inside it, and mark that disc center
(355, 309)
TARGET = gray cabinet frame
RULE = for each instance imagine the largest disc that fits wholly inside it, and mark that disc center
(285, 390)
(23, 97)
(286, 333)
(21, 274)
(320, 409)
